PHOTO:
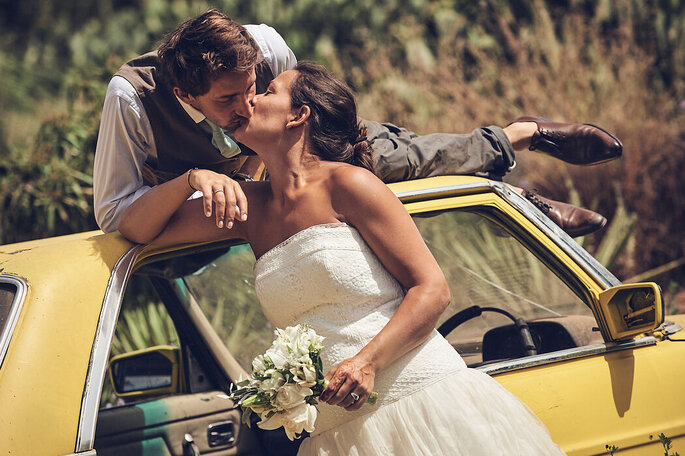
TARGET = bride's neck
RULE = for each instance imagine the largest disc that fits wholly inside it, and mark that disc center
(291, 170)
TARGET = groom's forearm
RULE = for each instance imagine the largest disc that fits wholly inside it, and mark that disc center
(147, 216)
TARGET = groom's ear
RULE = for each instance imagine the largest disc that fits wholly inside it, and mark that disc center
(184, 96)
(299, 117)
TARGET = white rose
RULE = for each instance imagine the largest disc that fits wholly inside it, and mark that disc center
(291, 395)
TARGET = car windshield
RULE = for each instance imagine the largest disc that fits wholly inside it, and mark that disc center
(483, 264)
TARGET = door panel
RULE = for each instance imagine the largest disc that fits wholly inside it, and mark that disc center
(622, 398)
(159, 427)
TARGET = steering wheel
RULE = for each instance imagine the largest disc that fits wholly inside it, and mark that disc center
(469, 313)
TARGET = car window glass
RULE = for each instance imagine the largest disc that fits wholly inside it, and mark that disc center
(224, 289)
(9, 309)
(7, 293)
(487, 267)
(143, 323)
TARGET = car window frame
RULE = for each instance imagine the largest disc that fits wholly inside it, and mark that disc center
(603, 277)
(99, 355)
(442, 198)
(13, 315)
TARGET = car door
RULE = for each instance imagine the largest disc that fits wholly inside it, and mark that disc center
(194, 417)
(590, 392)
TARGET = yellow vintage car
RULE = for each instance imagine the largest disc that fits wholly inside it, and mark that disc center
(108, 347)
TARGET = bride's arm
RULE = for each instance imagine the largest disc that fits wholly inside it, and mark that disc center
(147, 216)
(190, 222)
(364, 202)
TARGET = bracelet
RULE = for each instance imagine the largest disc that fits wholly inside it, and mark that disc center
(189, 184)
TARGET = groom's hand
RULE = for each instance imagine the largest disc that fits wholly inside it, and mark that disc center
(221, 191)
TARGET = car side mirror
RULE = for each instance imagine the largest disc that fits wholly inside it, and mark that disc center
(150, 372)
(631, 309)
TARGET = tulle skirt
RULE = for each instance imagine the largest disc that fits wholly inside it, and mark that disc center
(465, 414)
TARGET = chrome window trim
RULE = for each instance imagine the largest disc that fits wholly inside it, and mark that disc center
(102, 342)
(83, 453)
(598, 272)
(443, 192)
(565, 355)
(15, 310)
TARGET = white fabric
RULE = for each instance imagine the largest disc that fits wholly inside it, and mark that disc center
(274, 49)
(125, 139)
(429, 403)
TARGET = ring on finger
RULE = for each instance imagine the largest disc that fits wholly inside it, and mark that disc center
(355, 396)
(221, 190)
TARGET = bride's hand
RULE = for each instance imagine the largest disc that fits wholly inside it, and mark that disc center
(224, 192)
(350, 376)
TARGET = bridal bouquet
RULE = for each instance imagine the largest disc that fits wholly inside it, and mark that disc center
(285, 383)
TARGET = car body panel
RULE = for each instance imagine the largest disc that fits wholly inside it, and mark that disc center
(628, 390)
(47, 360)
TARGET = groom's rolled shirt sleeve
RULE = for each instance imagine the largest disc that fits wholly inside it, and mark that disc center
(124, 141)
(274, 48)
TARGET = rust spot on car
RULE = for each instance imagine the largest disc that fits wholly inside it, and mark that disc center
(16, 251)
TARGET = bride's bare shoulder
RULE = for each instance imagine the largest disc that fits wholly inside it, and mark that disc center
(350, 177)
(353, 187)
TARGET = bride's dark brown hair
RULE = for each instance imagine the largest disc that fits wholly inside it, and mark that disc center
(334, 129)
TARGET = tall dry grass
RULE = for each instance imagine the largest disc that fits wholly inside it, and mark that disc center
(566, 67)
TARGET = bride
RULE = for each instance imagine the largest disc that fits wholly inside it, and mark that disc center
(337, 250)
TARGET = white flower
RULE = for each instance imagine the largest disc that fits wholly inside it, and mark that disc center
(273, 422)
(298, 419)
(278, 353)
(274, 381)
(282, 380)
(305, 374)
(306, 340)
(294, 420)
(258, 365)
(291, 395)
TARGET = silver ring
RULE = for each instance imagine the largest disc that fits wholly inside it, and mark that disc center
(355, 396)
(221, 190)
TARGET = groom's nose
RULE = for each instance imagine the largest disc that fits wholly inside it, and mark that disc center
(245, 106)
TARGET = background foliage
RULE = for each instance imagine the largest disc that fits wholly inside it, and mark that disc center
(429, 65)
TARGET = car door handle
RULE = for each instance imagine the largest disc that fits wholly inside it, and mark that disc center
(220, 434)
(189, 447)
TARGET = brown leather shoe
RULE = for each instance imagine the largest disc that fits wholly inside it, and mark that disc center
(580, 144)
(576, 221)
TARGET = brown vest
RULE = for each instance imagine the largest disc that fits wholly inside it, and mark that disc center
(181, 144)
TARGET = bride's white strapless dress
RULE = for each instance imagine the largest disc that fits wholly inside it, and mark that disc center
(429, 403)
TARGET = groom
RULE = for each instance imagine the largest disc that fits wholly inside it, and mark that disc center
(166, 114)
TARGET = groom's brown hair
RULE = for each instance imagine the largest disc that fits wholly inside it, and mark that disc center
(203, 48)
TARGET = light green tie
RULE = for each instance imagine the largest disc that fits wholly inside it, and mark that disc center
(226, 145)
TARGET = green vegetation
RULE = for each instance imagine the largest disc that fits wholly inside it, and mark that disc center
(429, 65)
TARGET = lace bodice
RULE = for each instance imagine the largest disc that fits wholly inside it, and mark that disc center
(327, 277)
